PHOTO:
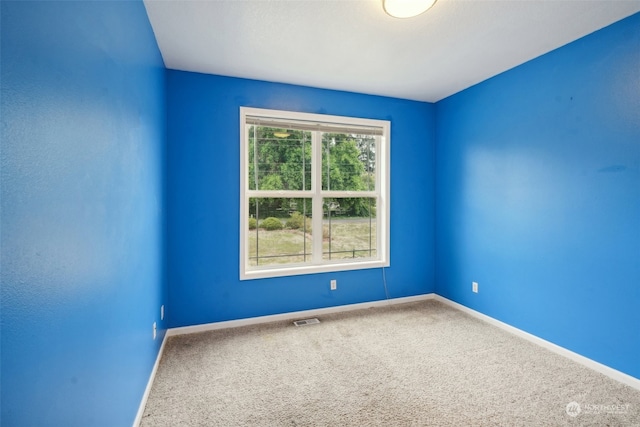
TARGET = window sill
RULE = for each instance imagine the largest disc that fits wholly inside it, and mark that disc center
(310, 269)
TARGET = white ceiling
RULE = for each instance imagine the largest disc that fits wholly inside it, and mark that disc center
(353, 45)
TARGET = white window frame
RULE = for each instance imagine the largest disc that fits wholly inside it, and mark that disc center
(381, 193)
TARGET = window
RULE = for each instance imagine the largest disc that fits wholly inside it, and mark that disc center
(314, 193)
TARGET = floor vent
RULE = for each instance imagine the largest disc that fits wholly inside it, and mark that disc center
(306, 322)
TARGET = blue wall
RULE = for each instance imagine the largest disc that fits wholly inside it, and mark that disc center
(82, 211)
(538, 196)
(204, 196)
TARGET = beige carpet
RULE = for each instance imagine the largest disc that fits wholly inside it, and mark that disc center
(416, 364)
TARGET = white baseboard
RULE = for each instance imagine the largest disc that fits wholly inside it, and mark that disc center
(293, 315)
(589, 363)
(147, 390)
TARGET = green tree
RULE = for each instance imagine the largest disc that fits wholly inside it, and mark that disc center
(280, 159)
(344, 168)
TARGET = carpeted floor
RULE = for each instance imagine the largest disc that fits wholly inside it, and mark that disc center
(416, 364)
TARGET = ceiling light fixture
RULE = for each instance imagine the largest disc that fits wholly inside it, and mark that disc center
(281, 134)
(406, 8)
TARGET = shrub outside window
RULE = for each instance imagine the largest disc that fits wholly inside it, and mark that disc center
(314, 193)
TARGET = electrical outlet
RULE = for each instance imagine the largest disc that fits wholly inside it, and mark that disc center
(334, 285)
(154, 330)
(474, 287)
(162, 312)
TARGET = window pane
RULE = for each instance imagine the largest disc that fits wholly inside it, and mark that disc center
(295, 164)
(279, 231)
(279, 159)
(348, 162)
(349, 228)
